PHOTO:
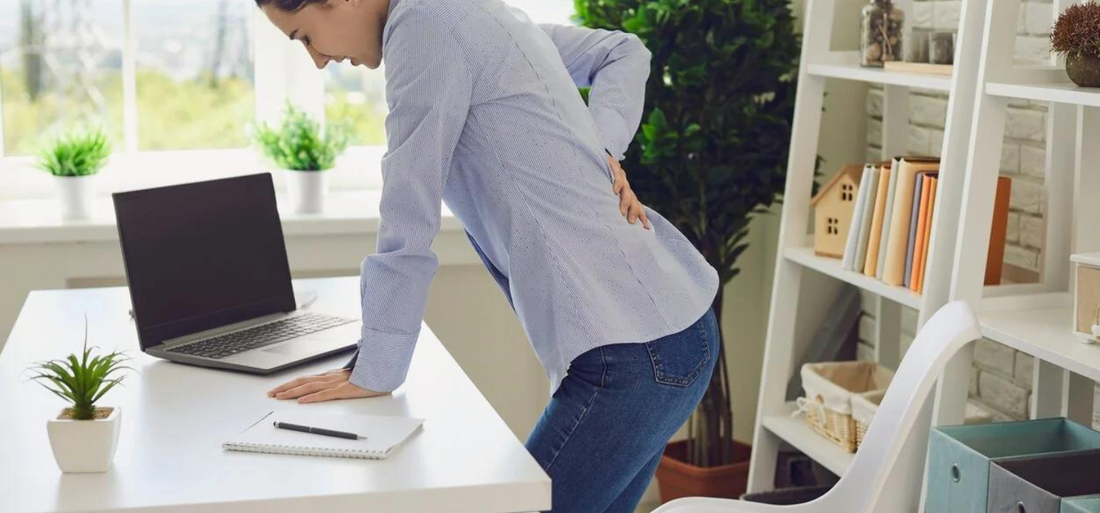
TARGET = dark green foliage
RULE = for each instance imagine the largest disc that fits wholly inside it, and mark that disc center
(81, 380)
(712, 149)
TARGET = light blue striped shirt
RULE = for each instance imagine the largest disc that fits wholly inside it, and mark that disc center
(485, 115)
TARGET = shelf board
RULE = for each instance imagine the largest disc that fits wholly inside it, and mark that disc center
(1057, 92)
(832, 266)
(795, 431)
(845, 66)
(1041, 326)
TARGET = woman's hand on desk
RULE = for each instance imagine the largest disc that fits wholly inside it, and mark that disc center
(316, 388)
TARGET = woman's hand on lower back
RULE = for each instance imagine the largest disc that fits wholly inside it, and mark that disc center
(629, 206)
(329, 386)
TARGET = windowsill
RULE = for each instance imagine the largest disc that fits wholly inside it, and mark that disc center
(359, 169)
(38, 221)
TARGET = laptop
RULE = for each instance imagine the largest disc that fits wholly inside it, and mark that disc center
(209, 279)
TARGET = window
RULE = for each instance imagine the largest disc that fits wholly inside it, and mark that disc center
(356, 97)
(175, 75)
(194, 73)
(832, 226)
(847, 192)
(60, 64)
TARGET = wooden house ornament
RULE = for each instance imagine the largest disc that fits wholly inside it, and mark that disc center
(834, 206)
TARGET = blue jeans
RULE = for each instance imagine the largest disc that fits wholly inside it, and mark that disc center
(602, 435)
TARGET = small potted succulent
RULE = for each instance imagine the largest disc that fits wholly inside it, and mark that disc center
(83, 436)
(74, 160)
(299, 146)
(1076, 35)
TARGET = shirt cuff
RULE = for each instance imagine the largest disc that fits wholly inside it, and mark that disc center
(388, 362)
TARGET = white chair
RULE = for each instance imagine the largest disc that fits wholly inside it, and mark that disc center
(863, 488)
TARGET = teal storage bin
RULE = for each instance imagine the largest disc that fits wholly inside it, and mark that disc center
(1089, 504)
(959, 457)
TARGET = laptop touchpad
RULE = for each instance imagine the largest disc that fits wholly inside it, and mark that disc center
(300, 347)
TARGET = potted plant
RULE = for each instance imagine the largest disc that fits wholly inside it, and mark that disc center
(83, 436)
(711, 153)
(299, 146)
(74, 160)
(1076, 35)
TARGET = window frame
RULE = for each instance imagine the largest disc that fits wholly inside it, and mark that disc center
(283, 72)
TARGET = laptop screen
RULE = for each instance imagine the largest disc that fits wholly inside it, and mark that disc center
(203, 255)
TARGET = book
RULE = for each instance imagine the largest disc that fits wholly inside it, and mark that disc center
(383, 435)
(994, 263)
(923, 226)
(898, 242)
(886, 214)
(848, 262)
(865, 224)
(914, 219)
(876, 220)
(934, 186)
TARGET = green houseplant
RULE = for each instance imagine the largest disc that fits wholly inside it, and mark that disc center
(298, 145)
(711, 154)
(83, 436)
(1076, 35)
(74, 159)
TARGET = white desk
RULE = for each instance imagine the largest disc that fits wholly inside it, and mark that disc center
(464, 459)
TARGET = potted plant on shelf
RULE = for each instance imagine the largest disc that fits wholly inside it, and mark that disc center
(1076, 35)
(711, 153)
(299, 146)
(84, 436)
(74, 160)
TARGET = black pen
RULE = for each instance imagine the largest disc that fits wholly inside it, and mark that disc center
(318, 431)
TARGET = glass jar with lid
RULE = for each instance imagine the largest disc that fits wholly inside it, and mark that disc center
(880, 33)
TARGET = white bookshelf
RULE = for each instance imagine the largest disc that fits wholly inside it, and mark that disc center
(1035, 319)
(805, 257)
(801, 436)
(845, 66)
(1037, 323)
(796, 304)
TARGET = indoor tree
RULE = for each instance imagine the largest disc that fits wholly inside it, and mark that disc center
(712, 149)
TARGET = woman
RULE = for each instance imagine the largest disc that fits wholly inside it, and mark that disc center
(485, 115)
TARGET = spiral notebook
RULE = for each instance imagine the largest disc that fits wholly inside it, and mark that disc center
(383, 435)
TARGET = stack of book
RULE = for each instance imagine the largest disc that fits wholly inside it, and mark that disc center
(891, 228)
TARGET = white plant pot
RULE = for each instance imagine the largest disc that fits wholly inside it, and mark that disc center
(84, 445)
(306, 190)
(77, 196)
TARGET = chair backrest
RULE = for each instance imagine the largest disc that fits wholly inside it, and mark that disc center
(949, 330)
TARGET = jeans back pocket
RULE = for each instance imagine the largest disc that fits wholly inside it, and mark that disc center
(679, 358)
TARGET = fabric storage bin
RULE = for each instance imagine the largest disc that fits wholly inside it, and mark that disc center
(829, 387)
(1037, 484)
(959, 457)
(864, 407)
(1081, 504)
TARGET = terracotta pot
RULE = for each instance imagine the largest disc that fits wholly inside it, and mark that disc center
(677, 479)
(1083, 70)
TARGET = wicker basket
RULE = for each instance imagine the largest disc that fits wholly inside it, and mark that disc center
(829, 389)
(864, 407)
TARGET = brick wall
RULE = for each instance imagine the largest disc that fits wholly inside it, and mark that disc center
(1000, 384)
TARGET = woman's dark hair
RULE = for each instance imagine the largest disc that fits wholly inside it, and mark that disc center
(289, 5)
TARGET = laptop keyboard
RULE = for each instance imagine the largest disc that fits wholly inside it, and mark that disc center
(230, 344)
